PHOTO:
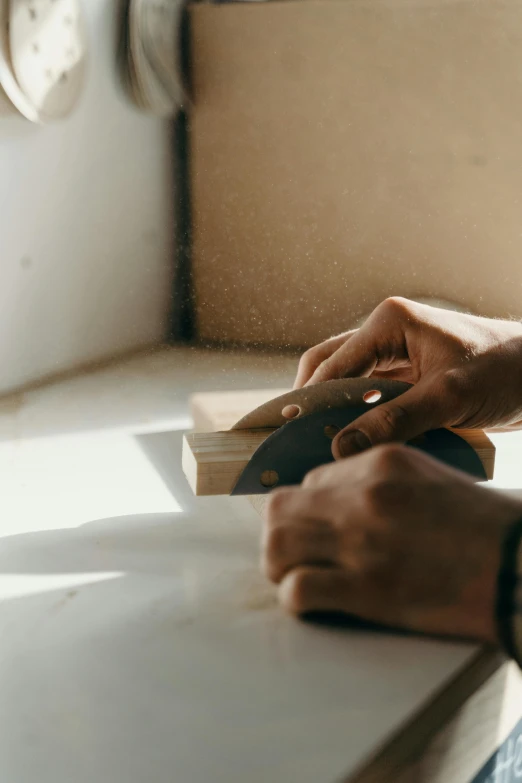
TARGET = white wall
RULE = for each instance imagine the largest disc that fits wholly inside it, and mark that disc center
(86, 227)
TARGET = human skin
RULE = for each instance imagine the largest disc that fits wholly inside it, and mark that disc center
(387, 533)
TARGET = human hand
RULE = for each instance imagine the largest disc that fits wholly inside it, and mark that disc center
(466, 371)
(394, 537)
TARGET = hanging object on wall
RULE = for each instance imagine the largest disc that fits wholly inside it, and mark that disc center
(153, 67)
(43, 50)
(13, 99)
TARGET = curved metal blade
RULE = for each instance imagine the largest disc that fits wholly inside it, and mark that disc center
(290, 452)
(344, 393)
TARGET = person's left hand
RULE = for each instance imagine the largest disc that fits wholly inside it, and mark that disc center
(394, 537)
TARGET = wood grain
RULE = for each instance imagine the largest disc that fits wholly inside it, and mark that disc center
(213, 411)
(213, 461)
(453, 736)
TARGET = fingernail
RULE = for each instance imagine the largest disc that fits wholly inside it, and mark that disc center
(353, 443)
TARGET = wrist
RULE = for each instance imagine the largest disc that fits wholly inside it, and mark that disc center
(509, 593)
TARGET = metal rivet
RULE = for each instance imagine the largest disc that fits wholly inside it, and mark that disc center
(269, 478)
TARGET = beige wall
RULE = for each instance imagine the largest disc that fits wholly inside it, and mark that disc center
(344, 151)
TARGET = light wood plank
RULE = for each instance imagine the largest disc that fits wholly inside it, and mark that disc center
(454, 735)
(484, 447)
(213, 461)
(214, 411)
(459, 749)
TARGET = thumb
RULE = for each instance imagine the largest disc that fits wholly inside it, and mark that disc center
(355, 357)
(411, 414)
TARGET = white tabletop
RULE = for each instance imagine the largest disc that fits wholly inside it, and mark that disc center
(139, 640)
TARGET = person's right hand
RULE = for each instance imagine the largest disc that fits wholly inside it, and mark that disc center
(466, 371)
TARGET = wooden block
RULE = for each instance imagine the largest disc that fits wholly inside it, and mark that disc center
(484, 447)
(213, 411)
(213, 461)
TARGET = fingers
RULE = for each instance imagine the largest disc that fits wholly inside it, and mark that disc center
(419, 409)
(356, 357)
(311, 589)
(286, 546)
(312, 358)
(379, 343)
(295, 533)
